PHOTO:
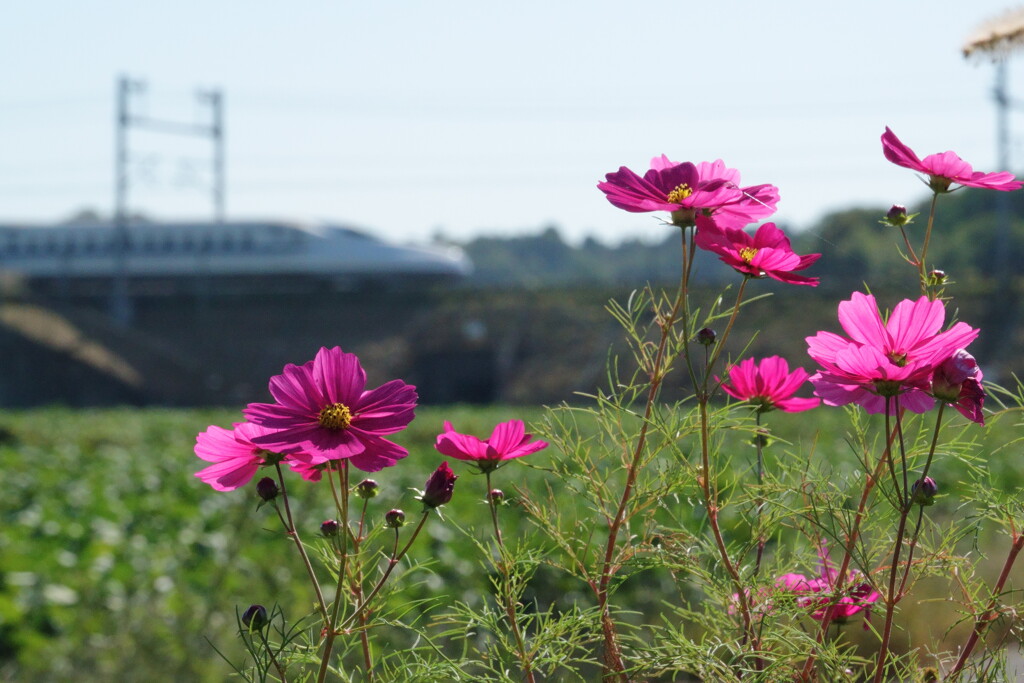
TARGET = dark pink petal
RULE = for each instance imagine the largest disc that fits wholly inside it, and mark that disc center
(794, 583)
(797, 405)
(379, 453)
(387, 409)
(947, 165)
(628, 191)
(294, 388)
(971, 401)
(670, 177)
(768, 235)
(714, 170)
(273, 417)
(217, 444)
(945, 344)
(860, 319)
(460, 446)
(506, 436)
(319, 444)
(338, 376)
(898, 153)
(913, 321)
(824, 346)
(230, 474)
(1003, 180)
(526, 447)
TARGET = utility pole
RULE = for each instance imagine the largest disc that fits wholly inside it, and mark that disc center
(121, 307)
(1003, 243)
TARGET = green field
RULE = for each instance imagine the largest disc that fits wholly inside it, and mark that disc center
(117, 564)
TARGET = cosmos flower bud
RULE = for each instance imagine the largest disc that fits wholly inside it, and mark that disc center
(438, 489)
(255, 618)
(394, 519)
(952, 373)
(367, 488)
(706, 337)
(496, 496)
(267, 489)
(897, 216)
(923, 491)
(329, 527)
(936, 278)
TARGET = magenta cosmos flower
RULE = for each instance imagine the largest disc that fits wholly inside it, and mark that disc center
(236, 458)
(883, 359)
(686, 189)
(757, 202)
(323, 409)
(508, 440)
(768, 385)
(858, 595)
(945, 168)
(765, 253)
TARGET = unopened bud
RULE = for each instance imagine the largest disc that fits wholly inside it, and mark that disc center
(255, 618)
(923, 491)
(367, 488)
(706, 337)
(496, 496)
(897, 216)
(329, 527)
(438, 489)
(936, 278)
(950, 375)
(394, 519)
(267, 488)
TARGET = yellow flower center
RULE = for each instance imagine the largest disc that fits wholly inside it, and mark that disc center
(681, 192)
(899, 359)
(748, 254)
(335, 416)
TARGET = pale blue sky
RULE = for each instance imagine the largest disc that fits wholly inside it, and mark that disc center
(474, 117)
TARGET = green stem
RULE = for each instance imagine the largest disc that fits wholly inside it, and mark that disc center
(924, 248)
(273, 657)
(614, 669)
(893, 596)
(294, 534)
(759, 500)
(988, 616)
(506, 587)
(924, 473)
(807, 674)
(395, 559)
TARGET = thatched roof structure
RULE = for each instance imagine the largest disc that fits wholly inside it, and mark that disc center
(998, 37)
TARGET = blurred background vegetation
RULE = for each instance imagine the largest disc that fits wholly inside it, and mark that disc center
(117, 564)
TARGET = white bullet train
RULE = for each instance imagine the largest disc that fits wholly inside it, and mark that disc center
(159, 257)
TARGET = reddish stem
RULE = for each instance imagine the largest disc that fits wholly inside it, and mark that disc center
(981, 624)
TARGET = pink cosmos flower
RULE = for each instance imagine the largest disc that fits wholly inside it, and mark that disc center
(858, 594)
(508, 440)
(686, 189)
(884, 359)
(766, 253)
(236, 458)
(944, 169)
(324, 410)
(957, 381)
(758, 201)
(768, 385)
